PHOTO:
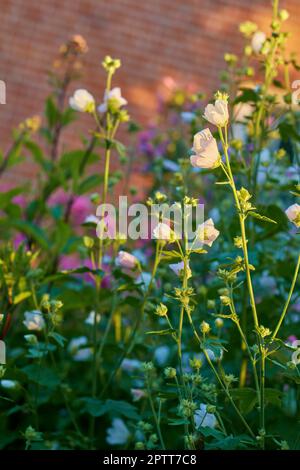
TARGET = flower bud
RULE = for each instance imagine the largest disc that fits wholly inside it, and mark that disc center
(170, 372)
(205, 327)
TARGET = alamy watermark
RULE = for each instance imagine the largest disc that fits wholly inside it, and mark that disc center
(144, 222)
(2, 352)
(296, 93)
(2, 92)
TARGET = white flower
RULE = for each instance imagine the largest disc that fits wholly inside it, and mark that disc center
(9, 384)
(137, 394)
(34, 320)
(178, 269)
(130, 365)
(204, 419)
(82, 101)
(187, 117)
(207, 233)
(90, 320)
(78, 352)
(217, 113)
(118, 433)
(163, 232)
(293, 214)
(206, 150)
(126, 260)
(91, 219)
(257, 41)
(114, 97)
(161, 355)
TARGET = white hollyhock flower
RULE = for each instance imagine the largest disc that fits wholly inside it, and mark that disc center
(178, 268)
(206, 150)
(82, 101)
(118, 433)
(9, 384)
(204, 419)
(207, 233)
(293, 214)
(114, 97)
(34, 320)
(258, 40)
(137, 394)
(90, 320)
(163, 232)
(129, 365)
(217, 113)
(77, 350)
(126, 260)
(161, 355)
(91, 219)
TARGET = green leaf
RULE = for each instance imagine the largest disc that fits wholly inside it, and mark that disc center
(38, 156)
(42, 375)
(89, 183)
(273, 396)
(6, 197)
(162, 332)
(60, 340)
(51, 111)
(33, 231)
(247, 95)
(22, 296)
(261, 217)
(178, 422)
(246, 397)
(123, 408)
(170, 255)
(97, 408)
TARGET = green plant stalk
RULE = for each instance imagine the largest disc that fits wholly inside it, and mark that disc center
(156, 419)
(139, 321)
(104, 197)
(242, 225)
(267, 82)
(225, 389)
(288, 299)
(244, 340)
(262, 398)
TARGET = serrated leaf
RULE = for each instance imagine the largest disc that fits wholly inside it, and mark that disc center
(162, 332)
(42, 375)
(258, 216)
(246, 397)
(61, 340)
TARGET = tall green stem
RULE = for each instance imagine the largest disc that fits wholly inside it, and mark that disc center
(288, 300)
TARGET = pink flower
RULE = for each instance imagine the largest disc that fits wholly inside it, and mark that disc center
(59, 197)
(126, 260)
(178, 268)
(163, 232)
(258, 40)
(18, 239)
(206, 150)
(207, 232)
(293, 214)
(80, 209)
(217, 113)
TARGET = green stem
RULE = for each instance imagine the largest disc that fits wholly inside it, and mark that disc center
(288, 299)
(156, 419)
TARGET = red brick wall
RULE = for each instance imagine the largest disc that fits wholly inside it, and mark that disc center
(182, 38)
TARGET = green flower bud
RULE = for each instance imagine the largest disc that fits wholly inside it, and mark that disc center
(88, 242)
(170, 372)
(205, 327)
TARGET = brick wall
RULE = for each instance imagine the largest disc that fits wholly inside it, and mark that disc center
(182, 38)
